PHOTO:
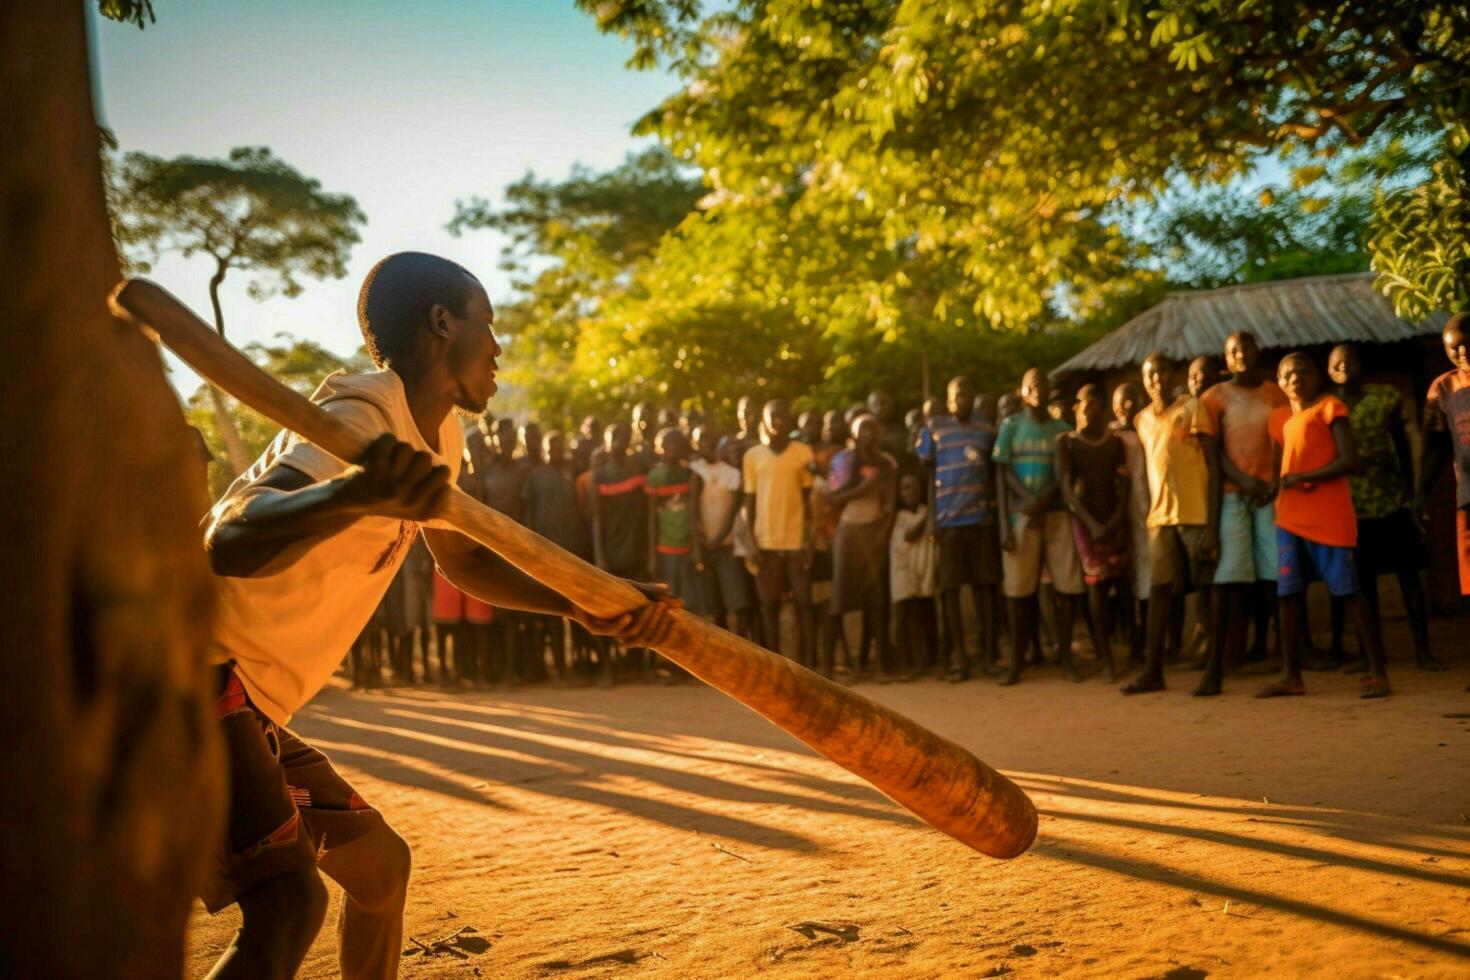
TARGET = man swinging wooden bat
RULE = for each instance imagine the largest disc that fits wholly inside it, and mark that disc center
(306, 548)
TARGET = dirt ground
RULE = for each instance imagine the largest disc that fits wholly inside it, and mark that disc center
(666, 830)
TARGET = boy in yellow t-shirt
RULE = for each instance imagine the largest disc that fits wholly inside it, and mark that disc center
(1183, 520)
(778, 480)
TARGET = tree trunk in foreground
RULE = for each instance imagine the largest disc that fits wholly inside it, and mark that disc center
(112, 794)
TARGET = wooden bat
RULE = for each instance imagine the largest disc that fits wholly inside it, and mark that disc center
(933, 777)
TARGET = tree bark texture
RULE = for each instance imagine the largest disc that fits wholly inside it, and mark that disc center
(112, 795)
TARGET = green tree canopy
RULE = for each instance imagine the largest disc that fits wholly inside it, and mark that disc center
(251, 211)
(576, 247)
(1003, 139)
(1313, 221)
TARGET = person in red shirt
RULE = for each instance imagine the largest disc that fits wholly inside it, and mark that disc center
(1447, 420)
(1316, 527)
(1237, 413)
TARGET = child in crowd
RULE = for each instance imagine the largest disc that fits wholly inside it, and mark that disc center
(587, 444)
(911, 578)
(1092, 475)
(1034, 527)
(501, 479)
(726, 592)
(1316, 529)
(1183, 523)
(1128, 399)
(824, 516)
(1236, 414)
(1388, 540)
(961, 504)
(777, 477)
(1202, 374)
(861, 490)
(1447, 418)
(407, 611)
(748, 423)
(675, 553)
(640, 444)
(619, 512)
(809, 428)
(549, 507)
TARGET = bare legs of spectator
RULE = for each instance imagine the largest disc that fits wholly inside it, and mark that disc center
(1415, 605)
(1226, 633)
(1021, 616)
(1101, 627)
(1160, 606)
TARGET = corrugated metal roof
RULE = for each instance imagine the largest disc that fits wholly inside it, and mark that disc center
(1287, 313)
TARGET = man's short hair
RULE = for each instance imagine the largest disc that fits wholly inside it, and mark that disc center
(397, 295)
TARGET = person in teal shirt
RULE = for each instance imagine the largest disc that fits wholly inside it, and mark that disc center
(1034, 527)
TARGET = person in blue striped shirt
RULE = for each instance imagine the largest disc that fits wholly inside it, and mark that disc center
(957, 447)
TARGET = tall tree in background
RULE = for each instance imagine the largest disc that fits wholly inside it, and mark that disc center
(1004, 139)
(576, 245)
(249, 212)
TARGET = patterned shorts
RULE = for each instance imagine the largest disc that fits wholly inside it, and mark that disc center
(287, 803)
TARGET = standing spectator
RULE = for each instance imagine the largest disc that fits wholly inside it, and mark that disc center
(1035, 531)
(1092, 474)
(690, 420)
(777, 477)
(641, 447)
(1183, 523)
(986, 406)
(1388, 540)
(892, 438)
(726, 590)
(1316, 529)
(834, 430)
(809, 428)
(619, 513)
(1128, 399)
(1006, 405)
(407, 609)
(588, 444)
(461, 620)
(501, 644)
(861, 482)
(961, 504)
(824, 516)
(1236, 415)
(748, 423)
(1202, 374)
(675, 553)
(503, 474)
(912, 580)
(1447, 419)
(549, 505)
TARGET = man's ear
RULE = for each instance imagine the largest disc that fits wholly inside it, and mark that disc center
(439, 320)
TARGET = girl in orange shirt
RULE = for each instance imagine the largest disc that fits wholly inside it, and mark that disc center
(1316, 527)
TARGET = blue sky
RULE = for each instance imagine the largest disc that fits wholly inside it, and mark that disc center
(405, 105)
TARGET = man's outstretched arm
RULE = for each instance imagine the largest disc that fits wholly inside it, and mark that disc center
(269, 526)
(482, 573)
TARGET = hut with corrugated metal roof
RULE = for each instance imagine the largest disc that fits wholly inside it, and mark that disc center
(1311, 314)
